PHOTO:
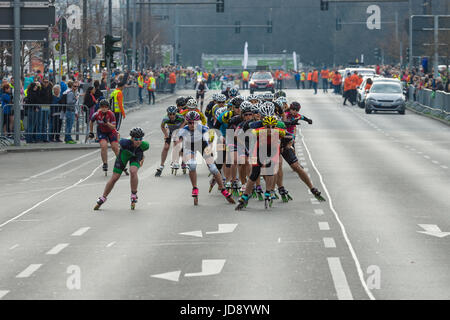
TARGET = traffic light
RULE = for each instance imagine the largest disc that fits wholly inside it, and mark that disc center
(237, 29)
(269, 26)
(137, 59)
(220, 5)
(377, 53)
(146, 53)
(407, 54)
(338, 24)
(178, 58)
(323, 5)
(109, 45)
(129, 54)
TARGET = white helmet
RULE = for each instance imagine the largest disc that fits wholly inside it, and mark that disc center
(267, 109)
(219, 111)
(268, 96)
(221, 98)
(191, 104)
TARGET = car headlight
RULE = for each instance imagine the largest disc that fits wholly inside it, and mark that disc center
(370, 99)
(399, 100)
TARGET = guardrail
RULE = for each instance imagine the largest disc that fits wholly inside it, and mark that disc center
(436, 103)
(47, 122)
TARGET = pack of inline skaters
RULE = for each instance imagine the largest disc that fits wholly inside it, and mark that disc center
(266, 119)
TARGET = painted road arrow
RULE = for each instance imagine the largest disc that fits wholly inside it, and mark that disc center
(209, 268)
(193, 233)
(224, 228)
(433, 230)
(172, 276)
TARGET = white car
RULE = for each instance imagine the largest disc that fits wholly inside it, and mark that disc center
(361, 71)
(360, 90)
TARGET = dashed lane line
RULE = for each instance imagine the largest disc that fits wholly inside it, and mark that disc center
(58, 248)
(324, 226)
(80, 232)
(29, 271)
(339, 279)
(3, 293)
(329, 243)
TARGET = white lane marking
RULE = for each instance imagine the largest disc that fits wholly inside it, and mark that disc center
(305, 169)
(29, 271)
(27, 220)
(13, 247)
(58, 248)
(279, 240)
(3, 293)
(302, 159)
(339, 279)
(318, 211)
(329, 243)
(60, 166)
(433, 230)
(435, 162)
(419, 152)
(224, 228)
(303, 163)
(413, 149)
(110, 244)
(171, 276)
(209, 268)
(314, 201)
(80, 231)
(48, 198)
(344, 232)
(427, 157)
(197, 233)
(444, 167)
(324, 225)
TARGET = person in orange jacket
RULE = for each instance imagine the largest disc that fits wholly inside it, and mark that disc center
(347, 89)
(172, 81)
(337, 80)
(309, 78)
(315, 80)
(354, 84)
(324, 76)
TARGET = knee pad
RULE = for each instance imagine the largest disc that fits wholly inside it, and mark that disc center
(192, 165)
(256, 171)
(213, 169)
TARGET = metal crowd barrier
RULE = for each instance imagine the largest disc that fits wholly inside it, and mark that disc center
(48, 122)
(424, 100)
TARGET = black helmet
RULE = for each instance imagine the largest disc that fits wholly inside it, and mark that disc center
(181, 101)
(137, 133)
(172, 109)
(236, 101)
(295, 106)
(233, 92)
(104, 102)
(278, 94)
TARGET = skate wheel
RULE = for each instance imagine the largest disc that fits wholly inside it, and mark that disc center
(97, 206)
(133, 206)
(195, 201)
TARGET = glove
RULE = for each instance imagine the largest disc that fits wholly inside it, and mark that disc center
(307, 120)
(91, 135)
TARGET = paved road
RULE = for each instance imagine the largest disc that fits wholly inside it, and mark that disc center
(385, 176)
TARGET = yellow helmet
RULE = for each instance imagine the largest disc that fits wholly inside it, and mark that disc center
(270, 121)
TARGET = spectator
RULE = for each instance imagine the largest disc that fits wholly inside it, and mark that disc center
(55, 115)
(46, 96)
(90, 102)
(172, 81)
(151, 87)
(297, 79)
(32, 111)
(70, 110)
(8, 110)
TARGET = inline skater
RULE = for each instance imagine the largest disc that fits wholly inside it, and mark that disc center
(208, 110)
(201, 88)
(191, 105)
(181, 104)
(106, 132)
(132, 151)
(265, 160)
(169, 124)
(194, 137)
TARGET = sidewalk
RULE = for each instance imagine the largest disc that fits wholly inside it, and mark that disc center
(54, 146)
